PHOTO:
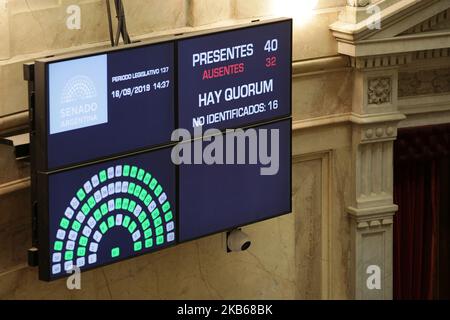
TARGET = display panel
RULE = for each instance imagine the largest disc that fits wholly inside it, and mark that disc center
(109, 104)
(236, 78)
(107, 212)
(214, 198)
(108, 189)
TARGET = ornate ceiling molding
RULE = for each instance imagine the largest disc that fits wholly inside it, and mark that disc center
(394, 60)
(399, 33)
(438, 22)
(424, 82)
(382, 61)
(358, 3)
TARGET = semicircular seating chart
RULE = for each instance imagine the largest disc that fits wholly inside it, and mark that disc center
(122, 196)
(77, 88)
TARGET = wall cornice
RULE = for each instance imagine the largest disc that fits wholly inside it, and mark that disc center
(347, 118)
(14, 186)
(13, 123)
(320, 65)
(19, 121)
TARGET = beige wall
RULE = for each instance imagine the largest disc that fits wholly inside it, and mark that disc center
(304, 255)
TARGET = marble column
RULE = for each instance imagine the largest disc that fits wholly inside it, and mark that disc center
(4, 30)
(375, 120)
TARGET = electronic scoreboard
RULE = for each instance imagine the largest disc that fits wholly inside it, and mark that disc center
(104, 184)
(107, 104)
(234, 79)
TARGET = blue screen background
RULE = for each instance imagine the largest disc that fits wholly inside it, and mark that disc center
(219, 197)
(191, 83)
(134, 123)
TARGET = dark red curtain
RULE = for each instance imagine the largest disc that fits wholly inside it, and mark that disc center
(420, 155)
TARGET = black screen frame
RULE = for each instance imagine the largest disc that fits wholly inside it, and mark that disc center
(42, 94)
(40, 120)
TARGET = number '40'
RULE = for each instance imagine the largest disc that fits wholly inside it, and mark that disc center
(271, 45)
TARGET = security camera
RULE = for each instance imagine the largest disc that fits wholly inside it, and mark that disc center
(237, 241)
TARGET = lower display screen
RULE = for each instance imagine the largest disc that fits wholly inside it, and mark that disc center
(215, 198)
(108, 212)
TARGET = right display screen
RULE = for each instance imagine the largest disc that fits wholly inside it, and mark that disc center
(106, 172)
(236, 78)
(214, 198)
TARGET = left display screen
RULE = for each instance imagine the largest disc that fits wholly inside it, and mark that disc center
(108, 212)
(109, 104)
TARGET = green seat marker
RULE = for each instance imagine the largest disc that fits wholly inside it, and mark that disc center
(133, 172)
(137, 246)
(147, 200)
(111, 222)
(142, 195)
(126, 221)
(115, 252)
(137, 191)
(166, 206)
(153, 184)
(140, 174)
(132, 227)
(131, 187)
(148, 243)
(118, 203)
(147, 178)
(155, 213)
(64, 223)
(103, 227)
(104, 209)
(132, 206)
(76, 226)
(81, 195)
(142, 217)
(168, 216)
(158, 191)
(58, 245)
(83, 241)
(97, 215)
(148, 233)
(125, 203)
(102, 176)
(126, 171)
(85, 208)
(158, 222)
(68, 255)
(81, 252)
(146, 224)
(91, 202)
